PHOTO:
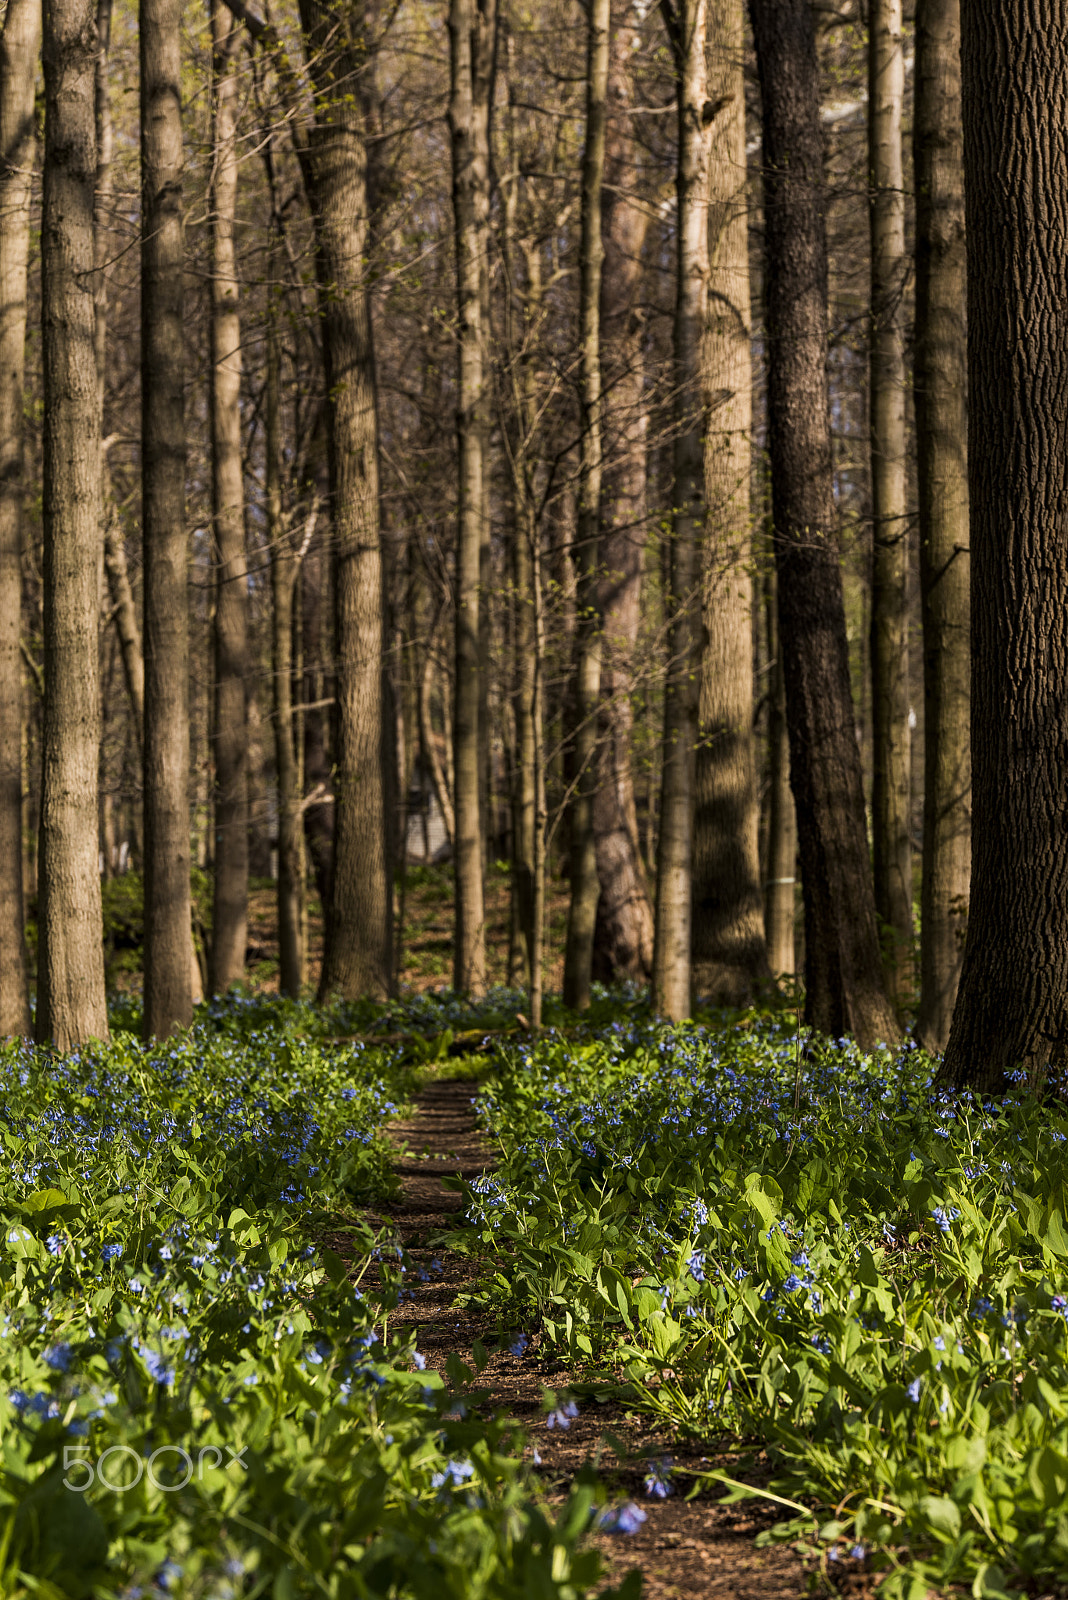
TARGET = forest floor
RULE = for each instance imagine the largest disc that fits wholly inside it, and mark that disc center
(695, 1549)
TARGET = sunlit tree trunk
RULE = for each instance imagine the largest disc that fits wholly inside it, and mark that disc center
(781, 878)
(1011, 1011)
(230, 621)
(20, 44)
(686, 25)
(358, 959)
(844, 989)
(941, 451)
(728, 928)
(585, 889)
(168, 987)
(71, 1004)
(889, 598)
(623, 938)
(472, 46)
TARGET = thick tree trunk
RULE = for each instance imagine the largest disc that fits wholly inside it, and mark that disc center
(584, 886)
(781, 879)
(941, 449)
(472, 46)
(1012, 1005)
(284, 573)
(686, 23)
(728, 933)
(20, 44)
(71, 1004)
(319, 813)
(844, 990)
(623, 938)
(358, 959)
(168, 990)
(230, 741)
(891, 737)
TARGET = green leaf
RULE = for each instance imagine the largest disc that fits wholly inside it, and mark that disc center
(941, 1514)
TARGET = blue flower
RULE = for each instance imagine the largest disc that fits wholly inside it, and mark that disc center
(455, 1474)
(111, 1252)
(562, 1416)
(913, 1391)
(59, 1357)
(658, 1478)
(626, 1518)
(519, 1344)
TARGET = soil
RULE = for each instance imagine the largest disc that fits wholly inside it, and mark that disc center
(697, 1549)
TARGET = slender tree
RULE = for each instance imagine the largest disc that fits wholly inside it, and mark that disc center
(472, 49)
(358, 959)
(585, 889)
(686, 25)
(891, 791)
(844, 989)
(71, 1005)
(230, 622)
(1011, 1012)
(623, 938)
(168, 987)
(728, 932)
(940, 368)
(20, 43)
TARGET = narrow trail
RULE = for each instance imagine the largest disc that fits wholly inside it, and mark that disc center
(686, 1551)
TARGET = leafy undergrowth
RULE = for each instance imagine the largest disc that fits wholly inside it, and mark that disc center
(750, 1234)
(195, 1398)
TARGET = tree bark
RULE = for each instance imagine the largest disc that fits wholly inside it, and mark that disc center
(168, 918)
(71, 1003)
(358, 959)
(584, 886)
(230, 741)
(686, 25)
(844, 988)
(728, 934)
(472, 47)
(20, 44)
(284, 574)
(1011, 1011)
(623, 938)
(891, 737)
(940, 367)
(781, 880)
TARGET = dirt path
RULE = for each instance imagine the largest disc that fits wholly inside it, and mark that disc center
(686, 1551)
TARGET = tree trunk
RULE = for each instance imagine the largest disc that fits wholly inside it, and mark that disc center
(71, 1004)
(230, 740)
(623, 938)
(844, 989)
(686, 23)
(319, 814)
(472, 46)
(941, 448)
(168, 990)
(358, 959)
(284, 574)
(891, 738)
(781, 881)
(20, 44)
(728, 933)
(585, 889)
(1012, 1005)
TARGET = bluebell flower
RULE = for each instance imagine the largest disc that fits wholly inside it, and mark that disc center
(59, 1357)
(519, 1344)
(626, 1518)
(913, 1391)
(455, 1474)
(562, 1416)
(111, 1252)
(658, 1478)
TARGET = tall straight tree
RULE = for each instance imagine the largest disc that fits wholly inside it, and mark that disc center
(890, 566)
(358, 959)
(686, 24)
(585, 889)
(940, 368)
(20, 44)
(168, 975)
(472, 49)
(71, 1004)
(230, 624)
(728, 931)
(844, 988)
(623, 938)
(1012, 1005)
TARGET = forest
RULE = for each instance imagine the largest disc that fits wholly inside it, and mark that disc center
(533, 732)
